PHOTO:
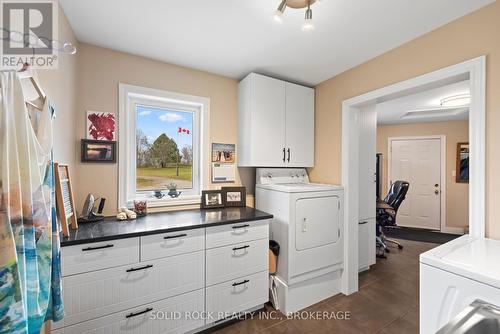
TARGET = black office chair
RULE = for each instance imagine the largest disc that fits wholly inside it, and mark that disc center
(386, 215)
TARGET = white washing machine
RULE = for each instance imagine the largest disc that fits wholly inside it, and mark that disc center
(455, 275)
(308, 225)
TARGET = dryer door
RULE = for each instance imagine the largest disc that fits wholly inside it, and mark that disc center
(317, 222)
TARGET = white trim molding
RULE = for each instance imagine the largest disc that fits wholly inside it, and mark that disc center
(442, 164)
(475, 71)
(129, 96)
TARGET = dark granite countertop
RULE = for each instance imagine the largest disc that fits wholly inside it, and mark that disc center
(154, 223)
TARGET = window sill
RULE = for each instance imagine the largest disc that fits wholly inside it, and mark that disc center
(171, 202)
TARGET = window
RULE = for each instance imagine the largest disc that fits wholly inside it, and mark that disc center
(166, 148)
(164, 145)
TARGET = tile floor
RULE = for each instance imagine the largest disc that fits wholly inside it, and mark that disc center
(386, 303)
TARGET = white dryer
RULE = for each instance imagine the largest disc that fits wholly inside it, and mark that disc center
(308, 225)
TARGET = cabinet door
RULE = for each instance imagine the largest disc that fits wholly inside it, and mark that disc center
(366, 242)
(367, 122)
(299, 125)
(267, 121)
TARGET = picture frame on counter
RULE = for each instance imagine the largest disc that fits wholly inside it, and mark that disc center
(211, 199)
(234, 196)
(99, 151)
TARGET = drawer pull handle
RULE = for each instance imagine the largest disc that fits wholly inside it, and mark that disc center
(242, 247)
(240, 283)
(94, 248)
(363, 223)
(140, 268)
(240, 226)
(130, 315)
(175, 236)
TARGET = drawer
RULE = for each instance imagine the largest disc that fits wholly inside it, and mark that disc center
(229, 262)
(95, 294)
(99, 255)
(153, 318)
(168, 244)
(237, 295)
(236, 233)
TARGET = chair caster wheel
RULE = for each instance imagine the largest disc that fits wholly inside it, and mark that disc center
(400, 246)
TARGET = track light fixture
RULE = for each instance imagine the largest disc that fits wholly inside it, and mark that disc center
(308, 24)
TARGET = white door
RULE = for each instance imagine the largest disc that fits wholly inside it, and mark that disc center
(268, 121)
(418, 161)
(299, 126)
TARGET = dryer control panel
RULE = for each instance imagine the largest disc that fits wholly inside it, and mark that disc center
(281, 175)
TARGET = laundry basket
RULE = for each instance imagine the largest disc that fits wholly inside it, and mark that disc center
(274, 251)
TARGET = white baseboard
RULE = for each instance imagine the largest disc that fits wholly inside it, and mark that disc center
(453, 230)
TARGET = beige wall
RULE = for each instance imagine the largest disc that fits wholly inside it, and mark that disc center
(466, 38)
(457, 194)
(100, 72)
(61, 87)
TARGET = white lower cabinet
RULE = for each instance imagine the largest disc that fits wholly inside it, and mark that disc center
(162, 317)
(366, 242)
(165, 283)
(228, 262)
(231, 297)
(103, 292)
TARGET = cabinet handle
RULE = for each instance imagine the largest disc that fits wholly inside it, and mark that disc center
(140, 268)
(288, 154)
(130, 315)
(363, 223)
(240, 226)
(175, 236)
(284, 155)
(240, 283)
(242, 247)
(94, 248)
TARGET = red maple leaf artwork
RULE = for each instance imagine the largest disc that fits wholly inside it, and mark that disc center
(102, 125)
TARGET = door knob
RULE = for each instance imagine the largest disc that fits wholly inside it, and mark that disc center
(436, 192)
(436, 185)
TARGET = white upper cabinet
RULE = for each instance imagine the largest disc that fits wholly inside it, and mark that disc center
(299, 129)
(275, 123)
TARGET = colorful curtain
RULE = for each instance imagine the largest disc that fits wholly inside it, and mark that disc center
(30, 279)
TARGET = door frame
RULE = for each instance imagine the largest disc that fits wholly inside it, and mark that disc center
(475, 70)
(442, 139)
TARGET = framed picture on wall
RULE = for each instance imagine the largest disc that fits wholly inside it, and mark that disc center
(98, 151)
(101, 125)
(462, 163)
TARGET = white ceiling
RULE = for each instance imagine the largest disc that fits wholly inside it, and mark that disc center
(427, 102)
(235, 37)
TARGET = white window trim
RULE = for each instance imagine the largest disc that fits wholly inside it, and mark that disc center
(129, 96)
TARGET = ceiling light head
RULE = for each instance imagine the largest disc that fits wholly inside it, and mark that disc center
(308, 24)
(278, 15)
(458, 100)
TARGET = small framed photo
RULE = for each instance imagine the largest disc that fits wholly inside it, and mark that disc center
(98, 151)
(211, 199)
(234, 196)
